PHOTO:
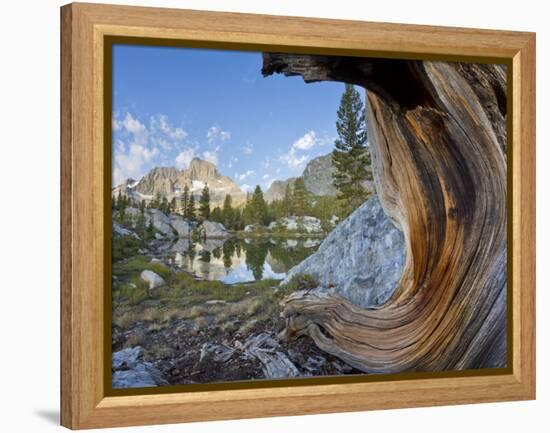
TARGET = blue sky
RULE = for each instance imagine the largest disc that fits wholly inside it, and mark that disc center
(173, 104)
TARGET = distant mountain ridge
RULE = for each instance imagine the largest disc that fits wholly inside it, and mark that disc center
(170, 182)
(317, 176)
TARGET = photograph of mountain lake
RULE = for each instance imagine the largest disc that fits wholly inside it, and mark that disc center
(279, 216)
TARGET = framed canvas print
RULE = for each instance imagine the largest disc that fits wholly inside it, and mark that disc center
(273, 216)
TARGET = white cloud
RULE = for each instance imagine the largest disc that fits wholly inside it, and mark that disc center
(160, 123)
(132, 149)
(246, 174)
(306, 141)
(116, 124)
(265, 176)
(130, 165)
(132, 125)
(211, 156)
(216, 135)
(246, 187)
(231, 162)
(247, 149)
(322, 141)
(163, 134)
(184, 158)
(136, 145)
(120, 146)
(292, 160)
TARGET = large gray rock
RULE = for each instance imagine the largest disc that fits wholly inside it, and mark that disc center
(153, 279)
(126, 358)
(132, 213)
(130, 371)
(118, 230)
(180, 225)
(210, 229)
(361, 259)
(160, 221)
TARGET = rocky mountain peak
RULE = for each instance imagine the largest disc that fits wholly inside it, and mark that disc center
(159, 180)
(201, 170)
(318, 175)
(170, 182)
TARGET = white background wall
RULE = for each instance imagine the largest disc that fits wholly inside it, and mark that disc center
(29, 220)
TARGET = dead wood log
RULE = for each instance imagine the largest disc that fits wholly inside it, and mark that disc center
(437, 132)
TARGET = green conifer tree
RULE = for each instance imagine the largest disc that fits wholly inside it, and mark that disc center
(185, 200)
(301, 199)
(204, 204)
(227, 212)
(351, 157)
(216, 215)
(164, 206)
(258, 206)
(191, 208)
(287, 201)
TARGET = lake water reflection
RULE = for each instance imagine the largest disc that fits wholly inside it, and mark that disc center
(239, 260)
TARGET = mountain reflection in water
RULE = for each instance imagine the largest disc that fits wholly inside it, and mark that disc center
(239, 260)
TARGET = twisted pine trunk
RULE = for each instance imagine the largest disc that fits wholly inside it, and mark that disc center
(438, 139)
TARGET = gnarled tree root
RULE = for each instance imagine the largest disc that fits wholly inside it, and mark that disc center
(438, 141)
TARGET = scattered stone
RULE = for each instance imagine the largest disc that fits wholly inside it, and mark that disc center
(275, 364)
(152, 278)
(314, 363)
(215, 352)
(307, 224)
(310, 243)
(210, 229)
(130, 371)
(118, 230)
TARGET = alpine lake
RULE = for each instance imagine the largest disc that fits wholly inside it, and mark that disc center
(237, 260)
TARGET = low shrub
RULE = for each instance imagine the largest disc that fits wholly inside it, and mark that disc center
(299, 282)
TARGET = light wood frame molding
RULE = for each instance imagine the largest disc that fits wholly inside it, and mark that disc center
(84, 403)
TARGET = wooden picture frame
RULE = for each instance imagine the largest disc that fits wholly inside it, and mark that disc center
(85, 402)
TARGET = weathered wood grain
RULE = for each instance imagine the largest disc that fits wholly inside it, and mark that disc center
(438, 139)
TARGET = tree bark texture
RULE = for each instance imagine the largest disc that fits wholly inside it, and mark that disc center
(437, 132)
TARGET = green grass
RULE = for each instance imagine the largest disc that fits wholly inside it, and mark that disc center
(184, 297)
(138, 264)
(299, 282)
